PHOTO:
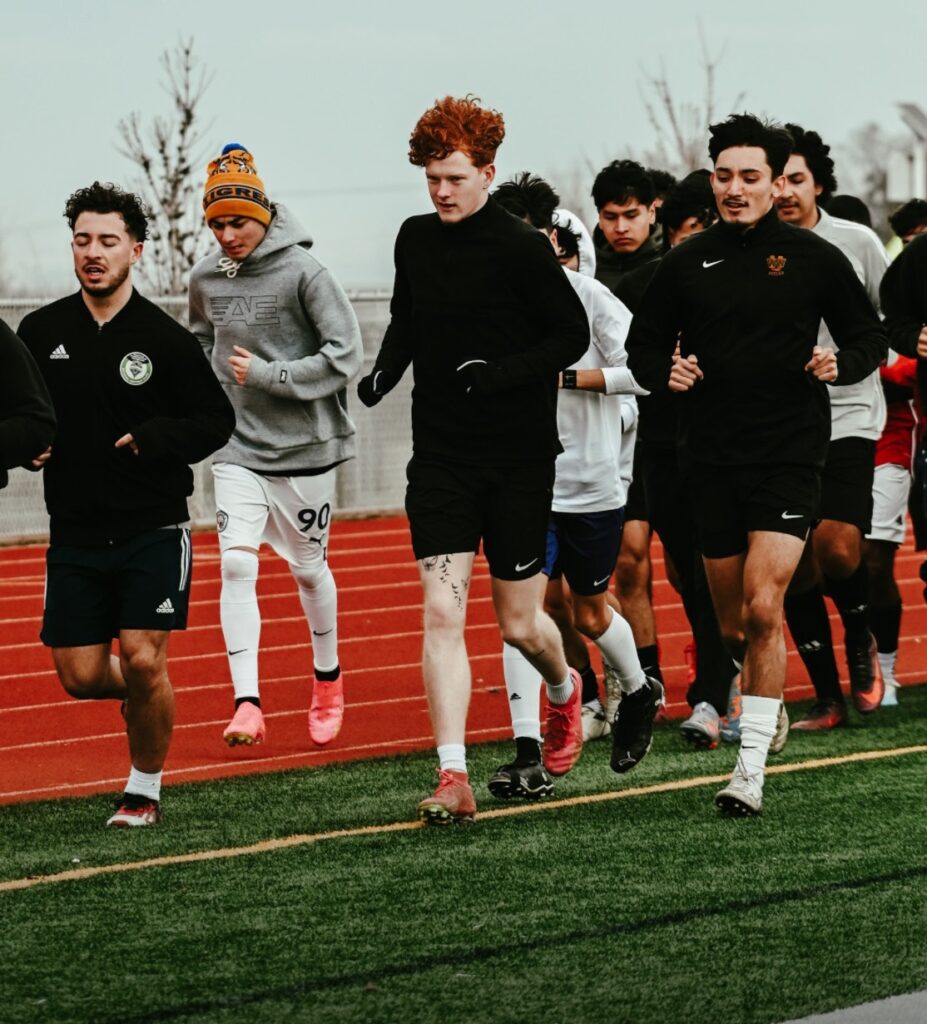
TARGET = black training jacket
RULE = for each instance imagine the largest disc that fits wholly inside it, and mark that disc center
(141, 374)
(903, 296)
(487, 288)
(27, 420)
(748, 304)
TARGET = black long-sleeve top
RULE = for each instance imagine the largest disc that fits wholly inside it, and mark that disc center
(903, 296)
(141, 374)
(27, 419)
(748, 304)
(486, 288)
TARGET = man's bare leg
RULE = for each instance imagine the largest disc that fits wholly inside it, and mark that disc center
(90, 673)
(150, 708)
(633, 586)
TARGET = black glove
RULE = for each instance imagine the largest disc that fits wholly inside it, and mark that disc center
(374, 386)
(477, 378)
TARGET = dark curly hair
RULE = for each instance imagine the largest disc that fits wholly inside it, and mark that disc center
(530, 198)
(621, 182)
(105, 197)
(909, 217)
(816, 152)
(453, 124)
(749, 130)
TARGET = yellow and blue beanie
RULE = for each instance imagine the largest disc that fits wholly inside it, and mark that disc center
(233, 188)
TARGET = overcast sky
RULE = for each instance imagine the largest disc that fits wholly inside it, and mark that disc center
(325, 95)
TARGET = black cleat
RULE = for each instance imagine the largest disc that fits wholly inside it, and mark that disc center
(867, 686)
(632, 730)
(529, 780)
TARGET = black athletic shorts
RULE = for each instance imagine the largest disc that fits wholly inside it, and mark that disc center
(636, 505)
(91, 593)
(846, 482)
(583, 547)
(730, 503)
(452, 506)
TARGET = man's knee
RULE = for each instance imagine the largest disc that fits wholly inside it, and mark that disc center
(239, 565)
(79, 686)
(591, 617)
(143, 665)
(313, 576)
(762, 615)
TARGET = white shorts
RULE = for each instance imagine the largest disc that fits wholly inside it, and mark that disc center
(291, 513)
(890, 488)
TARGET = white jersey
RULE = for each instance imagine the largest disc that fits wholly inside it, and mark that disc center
(588, 470)
(856, 410)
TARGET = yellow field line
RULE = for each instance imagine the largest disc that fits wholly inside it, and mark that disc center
(287, 842)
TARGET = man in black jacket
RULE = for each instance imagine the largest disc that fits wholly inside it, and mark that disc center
(484, 313)
(744, 300)
(136, 403)
(27, 420)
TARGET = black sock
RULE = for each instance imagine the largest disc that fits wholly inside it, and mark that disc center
(590, 684)
(649, 658)
(527, 750)
(256, 701)
(885, 623)
(851, 596)
(737, 649)
(328, 676)
(806, 615)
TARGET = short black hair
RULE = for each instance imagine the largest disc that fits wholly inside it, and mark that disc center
(850, 208)
(749, 130)
(623, 181)
(691, 197)
(663, 181)
(105, 197)
(908, 217)
(816, 152)
(529, 198)
(567, 242)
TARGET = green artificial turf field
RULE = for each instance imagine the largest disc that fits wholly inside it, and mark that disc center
(644, 909)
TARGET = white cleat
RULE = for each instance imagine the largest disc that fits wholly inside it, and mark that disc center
(743, 795)
(595, 724)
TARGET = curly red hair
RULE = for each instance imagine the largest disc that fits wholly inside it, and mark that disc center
(453, 124)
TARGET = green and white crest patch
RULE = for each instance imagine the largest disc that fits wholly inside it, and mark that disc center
(135, 368)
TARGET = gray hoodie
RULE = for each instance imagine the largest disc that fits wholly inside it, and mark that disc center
(285, 308)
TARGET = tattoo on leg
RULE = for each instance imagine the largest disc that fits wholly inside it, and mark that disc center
(429, 563)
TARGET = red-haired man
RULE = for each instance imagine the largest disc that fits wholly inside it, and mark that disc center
(485, 315)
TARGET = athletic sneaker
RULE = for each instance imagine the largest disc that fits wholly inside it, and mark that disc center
(528, 780)
(451, 803)
(612, 694)
(730, 723)
(563, 731)
(866, 684)
(701, 728)
(135, 811)
(246, 726)
(777, 743)
(822, 716)
(632, 730)
(326, 712)
(742, 797)
(595, 724)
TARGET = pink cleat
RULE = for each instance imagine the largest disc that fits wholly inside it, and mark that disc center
(246, 726)
(326, 713)
(563, 735)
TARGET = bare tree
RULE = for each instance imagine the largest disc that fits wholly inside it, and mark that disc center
(862, 168)
(169, 153)
(681, 126)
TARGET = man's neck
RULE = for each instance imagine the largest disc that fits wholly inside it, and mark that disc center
(104, 308)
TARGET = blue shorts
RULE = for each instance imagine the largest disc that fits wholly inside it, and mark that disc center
(583, 547)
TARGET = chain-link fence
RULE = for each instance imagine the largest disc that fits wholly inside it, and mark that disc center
(374, 482)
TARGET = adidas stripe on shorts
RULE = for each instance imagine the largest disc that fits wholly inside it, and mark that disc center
(92, 593)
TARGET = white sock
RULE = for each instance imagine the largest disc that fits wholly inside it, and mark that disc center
(561, 693)
(617, 647)
(887, 664)
(319, 598)
(453, 757)
(241, 619)
(523, 686)
(757, 728)
(144, 784)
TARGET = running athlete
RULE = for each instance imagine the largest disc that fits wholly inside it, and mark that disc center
(744, 300)
(136, 404)
(27, 419)
(832, 562)
(584, 532)
(283, 339)
(484, 313)
(625, 198)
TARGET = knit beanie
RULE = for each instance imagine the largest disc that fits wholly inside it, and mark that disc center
(233, 188)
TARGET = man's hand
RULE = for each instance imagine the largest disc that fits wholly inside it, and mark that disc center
(127, 439)
(922, 343)
(39, 461)
(374, 386)
(823, 364)
(685, 373)
(241, 362)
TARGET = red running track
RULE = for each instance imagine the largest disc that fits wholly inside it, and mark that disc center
(51, 745)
